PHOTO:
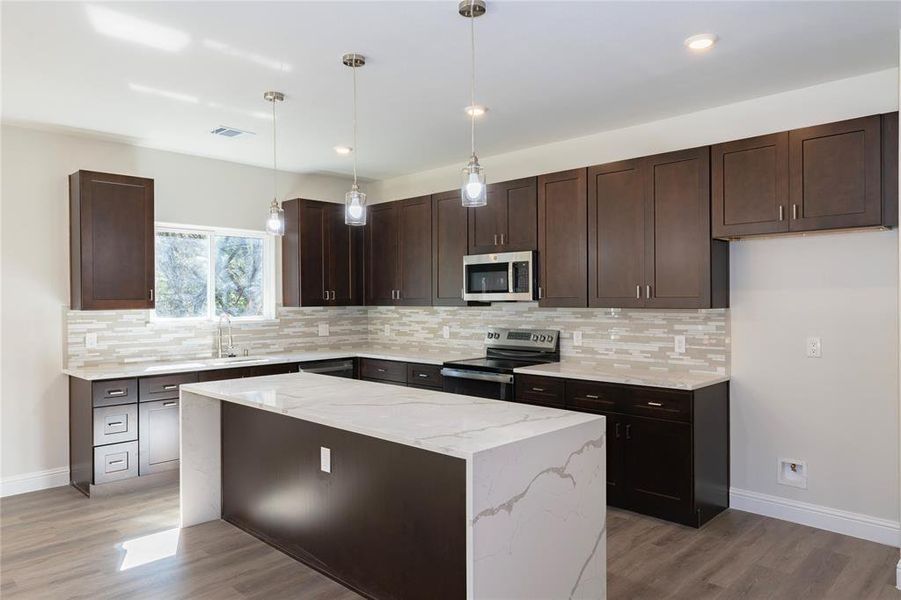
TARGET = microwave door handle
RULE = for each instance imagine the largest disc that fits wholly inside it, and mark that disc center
(511, 284)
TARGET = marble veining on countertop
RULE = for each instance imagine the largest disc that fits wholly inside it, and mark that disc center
(608, 372)
(144, 369)
(451, 424)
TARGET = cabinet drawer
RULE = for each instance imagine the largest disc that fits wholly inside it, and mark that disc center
(592, 396)
(383, 370)
(279, 369)
(115, 462)
(115, 424)
(424, 375)
(659, 403)
(163, 387)
(115, 391)
(223, 374)
(546, 391)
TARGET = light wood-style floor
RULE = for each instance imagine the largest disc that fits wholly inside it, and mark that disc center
(58, 544)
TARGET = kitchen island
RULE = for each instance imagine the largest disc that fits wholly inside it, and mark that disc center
(401, 492)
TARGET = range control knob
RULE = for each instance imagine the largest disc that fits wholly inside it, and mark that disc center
(534, 338)
(542, 338)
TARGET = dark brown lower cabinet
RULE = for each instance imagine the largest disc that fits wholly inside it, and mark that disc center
(667, 450)
(388, 521)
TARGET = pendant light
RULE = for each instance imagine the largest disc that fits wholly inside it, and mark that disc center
(275, 224)
(354, 200)
(473, 190)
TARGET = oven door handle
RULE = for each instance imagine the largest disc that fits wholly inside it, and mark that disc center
(478, 375)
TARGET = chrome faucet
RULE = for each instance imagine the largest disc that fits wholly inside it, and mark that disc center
(229, 350)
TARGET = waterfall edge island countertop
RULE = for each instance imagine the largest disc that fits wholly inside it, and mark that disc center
(402, 492)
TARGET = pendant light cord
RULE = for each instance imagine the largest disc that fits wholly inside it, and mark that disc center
(354, 120)
(274, 158)
(472, 77)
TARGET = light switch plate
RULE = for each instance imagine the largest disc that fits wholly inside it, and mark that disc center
(90, 340)
(577, 338)
(325, 459)
(679, 344)
(445, 332)
(814, 347)
(323, 330)
(387, 330)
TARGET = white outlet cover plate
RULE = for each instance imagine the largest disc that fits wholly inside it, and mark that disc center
(323, 329)
(90, 340)
(387, 329)
(785, 476)
(679, 344)
(445, 332)
(814, 347)
(325, 459)
(577, 338)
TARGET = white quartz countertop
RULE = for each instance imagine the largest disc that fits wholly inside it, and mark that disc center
(147, 368)
(630, 375)
(450, 424)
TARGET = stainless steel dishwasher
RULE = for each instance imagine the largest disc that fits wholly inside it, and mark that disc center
(338, 368)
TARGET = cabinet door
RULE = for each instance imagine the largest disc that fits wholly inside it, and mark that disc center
(343, 260)
(158, 441)
(381, 254)
(616, 234)
(563, 238)
(486, 223)
(313, 225)
(677, 251)
(834, 174)
(448, 248)
(510, 223)
(415, 251)
(112, 241)
(750, 186)
(657, 475)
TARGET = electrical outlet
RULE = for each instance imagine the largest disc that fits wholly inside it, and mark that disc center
(387, 330)
(679, 344)
(445, 332)
(323, 330)
(90, 340)
(577, 338)
(814, 347)
(325, 459)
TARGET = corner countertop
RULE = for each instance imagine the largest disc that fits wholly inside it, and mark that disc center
(450, 424)
(607, 372)
(150, 367)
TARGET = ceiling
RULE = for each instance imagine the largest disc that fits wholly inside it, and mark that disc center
(546, 70)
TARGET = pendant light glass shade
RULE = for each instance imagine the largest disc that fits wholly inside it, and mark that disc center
(473, 189)
(275, 224)
(355, 206)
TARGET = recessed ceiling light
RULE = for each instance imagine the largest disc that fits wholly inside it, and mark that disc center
(343, 149)
(135, 87)
(132, 29)
(476, 110)
(701, 42)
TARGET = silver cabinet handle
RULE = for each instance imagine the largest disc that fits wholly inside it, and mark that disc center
(794, 211)
(638, 292)
(325, 294)
(151, 294)
(592, 396)
(116, 462)
(647, 291)
(540, 294)
(399, 294)
(537, 389)
(333, 294)
(116, 392)
(380, 370)
(422, 375)
(495, 239)
(113, 423)
(502, 239)
(170, 387)
(781, 213)
(169, 403)
(629, 431)
(654, 404)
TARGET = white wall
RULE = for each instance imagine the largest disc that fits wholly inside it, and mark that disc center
(840, 413)
(34, 262)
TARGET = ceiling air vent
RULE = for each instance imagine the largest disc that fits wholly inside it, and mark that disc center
(230, 132)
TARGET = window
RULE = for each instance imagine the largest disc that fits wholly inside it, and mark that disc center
(202, 273)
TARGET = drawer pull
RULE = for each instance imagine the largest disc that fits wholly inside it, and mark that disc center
(654, 404)
(629, 432)
(617, 431)
(170, 387)
(116, 392)
(380, 370)
(113, 423)
(422, 375)
(118, 461)
(537, 389)
(169, 403)
(592, 396)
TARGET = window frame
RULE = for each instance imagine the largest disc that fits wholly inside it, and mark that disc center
(268, 244)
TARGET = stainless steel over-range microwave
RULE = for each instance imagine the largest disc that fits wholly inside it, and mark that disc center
(501, 277)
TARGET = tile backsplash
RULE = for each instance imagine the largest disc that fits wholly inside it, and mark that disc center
(624, 336)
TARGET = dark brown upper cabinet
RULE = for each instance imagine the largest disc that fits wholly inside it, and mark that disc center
(685, 268)
(111, 241)
(649, 234)
(449, 246)
(563, 239)
(508, 222)
(749, 184)
(617, 227)
(321, 256)
(399, 253)
(834, 176)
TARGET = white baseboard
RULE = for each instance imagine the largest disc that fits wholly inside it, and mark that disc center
(32, 482)
(856, 525)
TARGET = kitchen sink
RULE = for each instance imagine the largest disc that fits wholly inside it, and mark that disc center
(239, 360)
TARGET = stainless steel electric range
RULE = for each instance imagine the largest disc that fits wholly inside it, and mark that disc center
(505, 350)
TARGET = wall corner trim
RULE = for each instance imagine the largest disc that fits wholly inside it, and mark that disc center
(34, 481)
(874, 529)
